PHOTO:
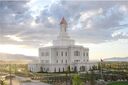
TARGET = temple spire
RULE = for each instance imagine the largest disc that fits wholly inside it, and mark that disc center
(63, 25)
(63, 21)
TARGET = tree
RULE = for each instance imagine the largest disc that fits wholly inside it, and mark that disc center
(76, 80)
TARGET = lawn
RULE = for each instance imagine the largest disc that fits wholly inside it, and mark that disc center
(118, 83)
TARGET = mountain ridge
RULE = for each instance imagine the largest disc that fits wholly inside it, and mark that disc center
(123, 59)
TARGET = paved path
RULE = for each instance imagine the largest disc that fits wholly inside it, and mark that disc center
(14, 82)
(33, 82)
(18, 81)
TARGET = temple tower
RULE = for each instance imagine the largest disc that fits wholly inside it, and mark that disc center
(63, 39)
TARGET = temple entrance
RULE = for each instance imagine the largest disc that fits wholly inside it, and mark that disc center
(75, 69)
(82, 68)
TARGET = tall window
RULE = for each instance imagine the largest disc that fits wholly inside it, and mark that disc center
(76, 53)
(62, 61)
(57, 53)
(66, 54)
(57, 61)
(86, 54)
(59, 69)
(61, 53)
(63, 69)
(54, 69)
(66, 61)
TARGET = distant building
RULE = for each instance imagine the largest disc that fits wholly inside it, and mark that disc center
(62, 55)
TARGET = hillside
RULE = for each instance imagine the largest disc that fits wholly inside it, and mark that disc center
(16, 58)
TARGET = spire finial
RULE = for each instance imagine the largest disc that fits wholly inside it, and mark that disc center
(63, 21)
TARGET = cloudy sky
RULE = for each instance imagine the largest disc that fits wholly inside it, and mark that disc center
(26, 25)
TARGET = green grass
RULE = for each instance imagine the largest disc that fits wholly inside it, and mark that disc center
(118, 83)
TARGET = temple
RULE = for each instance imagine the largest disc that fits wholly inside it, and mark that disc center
(62, 54)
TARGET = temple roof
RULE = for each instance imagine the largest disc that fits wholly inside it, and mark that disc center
(63, 21)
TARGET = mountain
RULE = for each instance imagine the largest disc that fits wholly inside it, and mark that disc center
(119, 59)
(16, 58)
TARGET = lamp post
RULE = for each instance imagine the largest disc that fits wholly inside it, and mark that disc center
(10, 74)
(101, 70)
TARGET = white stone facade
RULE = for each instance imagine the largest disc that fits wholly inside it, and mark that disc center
(63, 54)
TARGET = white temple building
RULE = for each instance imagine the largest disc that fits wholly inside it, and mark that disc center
(62, 55)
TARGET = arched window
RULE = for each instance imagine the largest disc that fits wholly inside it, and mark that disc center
(66, 54)
(47, 69)
(54, 69)
(41, 68)
(63, 69)
(66, 61)
(61, 53)
(59, 69)
(86, 54)
(56, 61)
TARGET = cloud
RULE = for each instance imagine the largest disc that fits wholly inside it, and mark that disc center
(123, 34)
(89, 21)
(15, 38)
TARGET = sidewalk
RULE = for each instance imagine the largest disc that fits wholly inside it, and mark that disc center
(33, 82)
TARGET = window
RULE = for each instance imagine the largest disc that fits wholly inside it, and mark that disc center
(84, 54)
(76, 53)
(76, 61)
(47, 69)
(59, 69)
(42, 54)
(57, 54)
(57, 61)
(66, 61)
(62, 61)
(63, 69)
(66, 54)
(42, 61)
(47, 54)
(46, 61)
(54, 69)
(61, 53)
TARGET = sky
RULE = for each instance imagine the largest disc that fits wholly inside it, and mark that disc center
(102, 26)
